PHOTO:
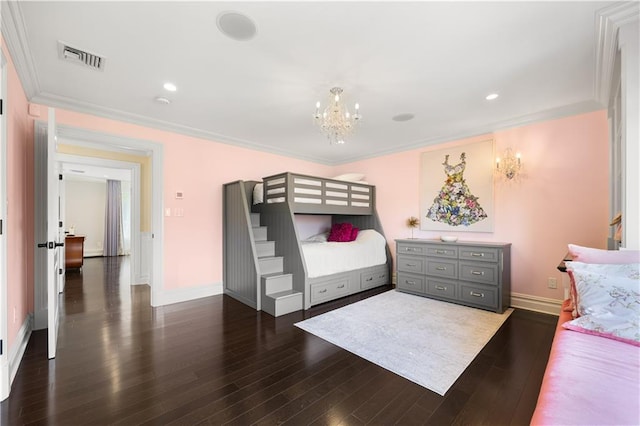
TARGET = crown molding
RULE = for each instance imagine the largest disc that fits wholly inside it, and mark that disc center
(114, 114)
(14, 34)
(546, 115)
(608, 21)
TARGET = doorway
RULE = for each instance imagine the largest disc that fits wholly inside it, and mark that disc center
(85, 182)
(88, 143)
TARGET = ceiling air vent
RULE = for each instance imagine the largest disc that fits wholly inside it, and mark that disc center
(81, 57)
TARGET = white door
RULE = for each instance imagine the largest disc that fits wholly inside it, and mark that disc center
(47, 256)
(53, 237)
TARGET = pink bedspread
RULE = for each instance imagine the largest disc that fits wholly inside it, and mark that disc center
(589, 380)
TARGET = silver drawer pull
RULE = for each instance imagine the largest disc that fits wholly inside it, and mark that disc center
(474, 294)
(441, 288)
(381, 276)
(369, 279)
(441, 268)
(410, 249)
(477, 272)
(323, 290)
(411, 264)
(410, 282)
(477, 254)
(341, 286)
(441, 252)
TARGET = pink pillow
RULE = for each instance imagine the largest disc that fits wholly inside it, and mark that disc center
(340, 232)
(354, 233)
(592, 255)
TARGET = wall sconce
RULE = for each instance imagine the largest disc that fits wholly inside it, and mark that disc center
(509, 165)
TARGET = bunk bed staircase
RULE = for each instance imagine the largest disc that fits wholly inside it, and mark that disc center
(254, 274)
(277, 296)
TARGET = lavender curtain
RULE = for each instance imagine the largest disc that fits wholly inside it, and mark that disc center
(113, 234)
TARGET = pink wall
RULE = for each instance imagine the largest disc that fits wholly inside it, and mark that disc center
(19, 223)
(562, 198)
(198, 168)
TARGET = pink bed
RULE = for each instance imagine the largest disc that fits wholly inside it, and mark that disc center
(589, 380)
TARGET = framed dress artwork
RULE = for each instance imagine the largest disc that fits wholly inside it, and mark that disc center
(456, 188)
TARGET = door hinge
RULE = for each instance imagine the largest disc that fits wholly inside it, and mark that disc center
(1, 351)
(1, 109)
(1, 230)
(60, 176)
(60, 224)
(60, 271)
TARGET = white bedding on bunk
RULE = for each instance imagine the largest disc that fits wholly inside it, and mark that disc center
(326, 258)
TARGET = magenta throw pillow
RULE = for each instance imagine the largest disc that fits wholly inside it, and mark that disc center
(340, 232)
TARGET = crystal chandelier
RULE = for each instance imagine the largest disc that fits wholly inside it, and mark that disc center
(336, 121)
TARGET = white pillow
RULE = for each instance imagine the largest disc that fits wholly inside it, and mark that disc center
(318, 238)
(350, 177)
(258, 194)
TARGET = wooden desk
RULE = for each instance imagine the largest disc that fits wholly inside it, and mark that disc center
(73, 251)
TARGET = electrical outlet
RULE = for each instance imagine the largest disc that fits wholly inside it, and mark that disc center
(552, 282)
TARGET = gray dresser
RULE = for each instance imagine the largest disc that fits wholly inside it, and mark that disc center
(470, 273)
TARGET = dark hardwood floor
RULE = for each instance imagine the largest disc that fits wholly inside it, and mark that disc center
(216, 361)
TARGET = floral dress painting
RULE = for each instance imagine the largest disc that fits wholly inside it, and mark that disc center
(454, 204)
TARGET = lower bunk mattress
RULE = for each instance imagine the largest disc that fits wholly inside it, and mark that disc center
(327, 258)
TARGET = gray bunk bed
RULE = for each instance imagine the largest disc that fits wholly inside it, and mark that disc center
(264, 265)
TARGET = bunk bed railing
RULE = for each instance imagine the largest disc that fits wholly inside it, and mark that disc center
(313, 195)
(241, 272)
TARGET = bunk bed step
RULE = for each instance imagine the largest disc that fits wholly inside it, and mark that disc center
(282, 303)
(266, 248)
(271, 265)
(255, 219)
(275, 283)
(259, 233)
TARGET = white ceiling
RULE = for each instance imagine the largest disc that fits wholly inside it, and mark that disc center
(436, 60)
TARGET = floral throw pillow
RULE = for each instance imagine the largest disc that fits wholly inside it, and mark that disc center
(607, 300)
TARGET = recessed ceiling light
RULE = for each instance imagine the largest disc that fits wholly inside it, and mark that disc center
(492, 96)
(162, 100)
(403, 117)
(170, 87)
(237, 26)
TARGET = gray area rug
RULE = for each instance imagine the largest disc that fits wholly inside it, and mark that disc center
(424, 340)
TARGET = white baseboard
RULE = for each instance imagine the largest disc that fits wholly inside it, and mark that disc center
(10, 367)
(536, 303)
(167, 297)
(93, 253)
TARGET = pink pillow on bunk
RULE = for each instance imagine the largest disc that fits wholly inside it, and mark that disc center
(340, 232)
(354, 233)
(593, 255)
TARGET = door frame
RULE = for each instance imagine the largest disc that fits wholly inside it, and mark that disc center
(109, 142)
(155, 151)
(134, 168)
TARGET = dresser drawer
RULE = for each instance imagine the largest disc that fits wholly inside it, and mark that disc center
(411, 264)
(328, 291)
(443, 251)
(480, 254)
(409, 282)
(479, 295)
(442, 268)
(379, 276)
(442, 288)
(485, 273)
(410, 248)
